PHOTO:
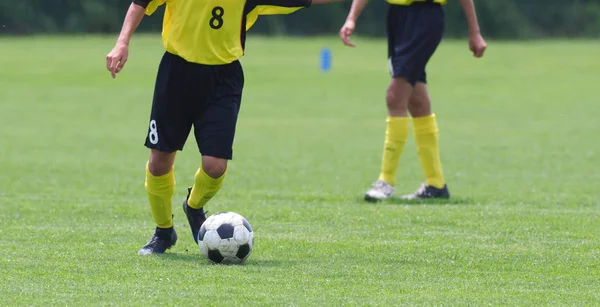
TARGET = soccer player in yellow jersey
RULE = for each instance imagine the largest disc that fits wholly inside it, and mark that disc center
(199, 84)
(414, 29)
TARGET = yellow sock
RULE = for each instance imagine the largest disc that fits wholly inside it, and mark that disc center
(396, 133)
(427, 139)
(205, 187)
(160, 196)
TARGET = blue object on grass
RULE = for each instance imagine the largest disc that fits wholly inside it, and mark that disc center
(325, 59)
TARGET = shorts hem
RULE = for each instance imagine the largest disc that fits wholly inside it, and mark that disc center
(162, 149)
(216, 155)
(402, 74)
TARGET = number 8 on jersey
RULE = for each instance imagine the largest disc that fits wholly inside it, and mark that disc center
(216, 22)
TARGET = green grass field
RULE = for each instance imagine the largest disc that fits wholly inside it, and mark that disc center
(520, 149)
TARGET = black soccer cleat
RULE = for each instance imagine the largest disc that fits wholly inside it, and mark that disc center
(163, 239)
(428, 192)
(196, 217)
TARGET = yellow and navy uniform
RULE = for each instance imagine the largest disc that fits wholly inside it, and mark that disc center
(409, 2)
(200, 79)
(213, 32)
(199, 84)
(414, 29)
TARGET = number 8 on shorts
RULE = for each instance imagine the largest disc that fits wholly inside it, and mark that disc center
(153, 133)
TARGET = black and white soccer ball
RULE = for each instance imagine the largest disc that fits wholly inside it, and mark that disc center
(226, 237)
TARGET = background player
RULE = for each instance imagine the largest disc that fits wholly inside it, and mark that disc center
(199, 84)
(414, 29)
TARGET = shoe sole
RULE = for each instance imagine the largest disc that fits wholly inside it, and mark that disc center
(372, 199)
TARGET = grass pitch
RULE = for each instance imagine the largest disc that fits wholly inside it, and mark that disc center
(520, 149)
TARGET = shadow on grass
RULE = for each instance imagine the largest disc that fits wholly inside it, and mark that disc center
(184, 256)
(198, 258)
(268, 263)
(419, 202)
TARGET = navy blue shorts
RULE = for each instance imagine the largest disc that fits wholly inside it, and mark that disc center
(207, 97)
(414, 32)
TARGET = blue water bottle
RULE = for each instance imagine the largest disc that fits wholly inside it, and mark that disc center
(325, 59)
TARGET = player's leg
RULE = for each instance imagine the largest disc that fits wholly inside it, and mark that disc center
(401, 52)
(160, 186)
(214, 130)
(396, 134)
(397, 95)
(208, 181)
(168, 130)
(426, 134)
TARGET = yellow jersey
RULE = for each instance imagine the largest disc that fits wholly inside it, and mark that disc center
(409, 2)
(213, 32)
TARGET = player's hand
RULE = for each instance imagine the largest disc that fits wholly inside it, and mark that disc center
(477, 45)
(346, 32)
(116, 59)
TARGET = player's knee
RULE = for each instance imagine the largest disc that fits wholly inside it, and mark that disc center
(397, 94)
(214, 167)
(160, 163)
(419, 105)
(391, 97)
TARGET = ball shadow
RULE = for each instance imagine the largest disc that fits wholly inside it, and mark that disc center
(190, 257)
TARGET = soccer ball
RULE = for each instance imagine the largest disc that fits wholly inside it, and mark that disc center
(226, 237)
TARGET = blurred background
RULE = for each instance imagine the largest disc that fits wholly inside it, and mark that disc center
(500, 19)
(518, 133)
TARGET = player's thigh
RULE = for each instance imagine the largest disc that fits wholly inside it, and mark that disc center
(414, 33)
(170, 119)
(215, 128)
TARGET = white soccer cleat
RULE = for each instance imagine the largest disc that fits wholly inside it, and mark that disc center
(381, 190)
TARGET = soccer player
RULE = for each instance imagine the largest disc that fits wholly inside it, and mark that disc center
(414, 30)
(199, 84)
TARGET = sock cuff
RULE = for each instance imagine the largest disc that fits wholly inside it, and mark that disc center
(205, 187)
(159, 184)
(425, 124)
(202, 173)
(396, 119)
(398, 129)
(165, 176)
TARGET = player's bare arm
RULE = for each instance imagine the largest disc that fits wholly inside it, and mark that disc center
(346, 31)
(476, 42)
(116, 59)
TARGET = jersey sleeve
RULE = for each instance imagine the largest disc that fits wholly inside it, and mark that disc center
(282, 3)
(149, 5)
(142, 3)
(252, 16)
(272, 7)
